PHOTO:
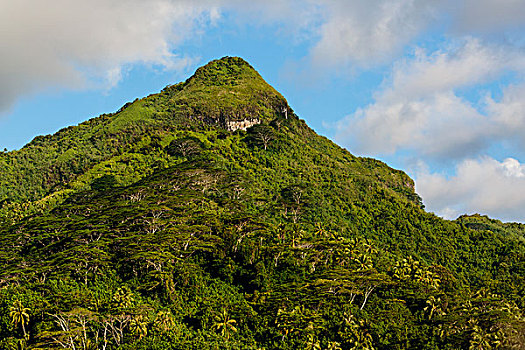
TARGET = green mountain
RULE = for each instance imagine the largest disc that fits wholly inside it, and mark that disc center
(209, 216)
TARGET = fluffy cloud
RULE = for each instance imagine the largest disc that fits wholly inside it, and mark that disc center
(509, 115)
(462, 63)
(440, 126)
(419, 109)
(78, 44)
(484, 186)
(73, 43)
(366, 32)
(422, 112)
(370, 32)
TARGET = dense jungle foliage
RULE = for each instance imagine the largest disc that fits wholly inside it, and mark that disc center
(162, 227)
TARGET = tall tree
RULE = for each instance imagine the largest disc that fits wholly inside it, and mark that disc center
(19, 315)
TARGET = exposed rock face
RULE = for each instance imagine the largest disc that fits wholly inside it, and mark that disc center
(230, 125)
(241, 124)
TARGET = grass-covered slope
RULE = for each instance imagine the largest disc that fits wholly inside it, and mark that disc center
(225, 90)
(196, 237)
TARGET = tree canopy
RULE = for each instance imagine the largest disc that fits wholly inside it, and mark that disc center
(158, 228)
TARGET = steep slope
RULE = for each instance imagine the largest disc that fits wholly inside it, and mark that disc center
(226, 95)
(273, 237)
(225, 92)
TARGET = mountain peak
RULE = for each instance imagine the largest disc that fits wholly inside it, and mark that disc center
(225, 71)
(228, 90)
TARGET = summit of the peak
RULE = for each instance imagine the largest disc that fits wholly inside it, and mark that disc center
(226, 71)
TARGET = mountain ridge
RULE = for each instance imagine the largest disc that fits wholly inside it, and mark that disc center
(79, 148)
(178, 233)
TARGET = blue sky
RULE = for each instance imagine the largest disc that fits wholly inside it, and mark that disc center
(435, 88)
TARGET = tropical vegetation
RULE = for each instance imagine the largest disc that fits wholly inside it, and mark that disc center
(165, 225)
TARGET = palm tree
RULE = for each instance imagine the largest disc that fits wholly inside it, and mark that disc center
(123, 298)
(139, 326)
(19, 315)
(164, 321)
(225, 323)
(480, 339)
(433, 306)
(357, 334)
(364, 262)
(333, 345)
(320, 230)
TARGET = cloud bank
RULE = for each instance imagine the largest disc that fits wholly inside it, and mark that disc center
(77, 44)
(74, 44)
(420, 109)
(483, 185)
(366, 33)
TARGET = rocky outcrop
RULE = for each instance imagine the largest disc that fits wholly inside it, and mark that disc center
(241, 124)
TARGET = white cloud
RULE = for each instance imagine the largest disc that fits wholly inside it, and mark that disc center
(419, 109)
(438, 126)
(77, 44)
(484, 186)
(462, 63)
(299, 14)
(73, 43)
(509, 114)
(368, 32)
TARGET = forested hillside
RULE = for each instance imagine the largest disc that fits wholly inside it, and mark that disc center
(167, 226)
